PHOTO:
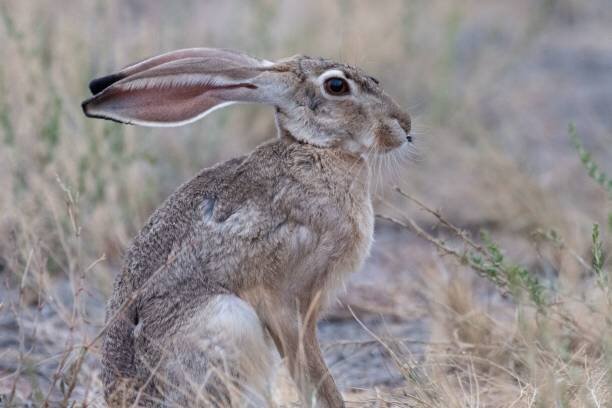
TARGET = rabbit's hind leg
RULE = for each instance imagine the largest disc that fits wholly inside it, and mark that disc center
(222, 357)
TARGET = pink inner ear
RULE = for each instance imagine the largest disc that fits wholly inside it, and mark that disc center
(159, 104)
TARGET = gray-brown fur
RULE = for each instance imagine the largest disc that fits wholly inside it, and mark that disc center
(246, 253)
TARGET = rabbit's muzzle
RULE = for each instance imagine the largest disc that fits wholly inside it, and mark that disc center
(392, 133)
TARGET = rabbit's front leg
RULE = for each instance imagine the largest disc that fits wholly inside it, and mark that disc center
(294, 332)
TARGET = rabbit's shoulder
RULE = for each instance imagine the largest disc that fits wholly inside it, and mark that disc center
(169, 223)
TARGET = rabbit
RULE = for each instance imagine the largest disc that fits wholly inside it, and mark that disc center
(241, 259)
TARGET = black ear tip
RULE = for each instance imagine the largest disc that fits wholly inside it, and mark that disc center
(99, 84)
(85, 107)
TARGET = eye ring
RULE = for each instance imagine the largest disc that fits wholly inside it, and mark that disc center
(336, 86)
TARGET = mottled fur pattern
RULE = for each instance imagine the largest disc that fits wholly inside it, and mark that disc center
(246, 253)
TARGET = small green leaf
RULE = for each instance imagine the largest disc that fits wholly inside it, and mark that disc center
(597, 256)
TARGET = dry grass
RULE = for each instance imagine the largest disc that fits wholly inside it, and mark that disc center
(493, 86)
(549, 350)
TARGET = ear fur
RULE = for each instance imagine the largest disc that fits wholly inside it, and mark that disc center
(176, 88)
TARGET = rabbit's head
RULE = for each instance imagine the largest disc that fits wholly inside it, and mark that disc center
(317, 101)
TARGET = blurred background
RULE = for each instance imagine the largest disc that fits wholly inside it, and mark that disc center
(492, 87)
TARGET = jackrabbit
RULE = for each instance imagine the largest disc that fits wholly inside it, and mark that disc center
(243, 256)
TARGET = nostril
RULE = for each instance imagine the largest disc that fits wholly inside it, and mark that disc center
(409, 138)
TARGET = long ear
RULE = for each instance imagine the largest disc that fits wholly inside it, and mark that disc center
(178, 87)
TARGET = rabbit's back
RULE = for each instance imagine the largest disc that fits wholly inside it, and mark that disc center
(143, 262)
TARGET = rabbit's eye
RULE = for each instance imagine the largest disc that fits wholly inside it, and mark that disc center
(336, 86)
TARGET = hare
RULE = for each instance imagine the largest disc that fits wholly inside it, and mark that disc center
(243, 257)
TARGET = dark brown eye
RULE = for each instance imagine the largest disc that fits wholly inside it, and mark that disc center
(336, 86)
